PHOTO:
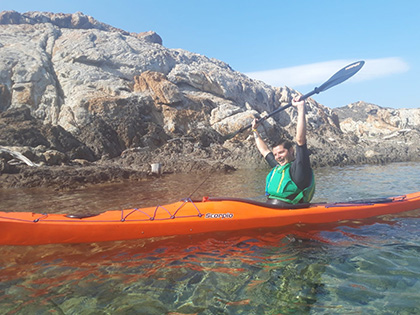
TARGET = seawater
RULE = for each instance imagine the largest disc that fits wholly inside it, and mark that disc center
(362, 266)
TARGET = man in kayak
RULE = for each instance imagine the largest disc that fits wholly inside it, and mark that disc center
(291, 180)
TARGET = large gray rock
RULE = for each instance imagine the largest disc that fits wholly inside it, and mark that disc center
(370, 121)
(65, 67)
(109, 90)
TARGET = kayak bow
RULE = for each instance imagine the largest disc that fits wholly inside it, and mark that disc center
(184, 217)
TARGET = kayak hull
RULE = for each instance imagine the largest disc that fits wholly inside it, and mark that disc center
(183, 218)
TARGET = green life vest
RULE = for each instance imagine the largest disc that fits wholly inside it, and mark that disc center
(279, 185)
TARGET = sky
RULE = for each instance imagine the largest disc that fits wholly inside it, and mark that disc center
(299, 44)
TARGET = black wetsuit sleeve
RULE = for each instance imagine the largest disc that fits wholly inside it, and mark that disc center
(300, 169)
(271, 160)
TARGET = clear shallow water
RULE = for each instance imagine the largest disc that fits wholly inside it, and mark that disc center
(368, 266)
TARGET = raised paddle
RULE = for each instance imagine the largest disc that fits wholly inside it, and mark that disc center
(341, 76)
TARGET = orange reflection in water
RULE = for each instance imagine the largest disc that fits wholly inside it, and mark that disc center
(49, 272)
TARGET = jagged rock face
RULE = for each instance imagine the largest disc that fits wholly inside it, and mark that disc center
(382, 134)
(111, 90)
(73, 21)
(369, 120)
(19, 128)
(82, 75)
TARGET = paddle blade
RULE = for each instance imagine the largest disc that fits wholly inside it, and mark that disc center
(342, 75)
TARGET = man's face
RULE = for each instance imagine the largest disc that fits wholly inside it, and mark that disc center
(282, 155)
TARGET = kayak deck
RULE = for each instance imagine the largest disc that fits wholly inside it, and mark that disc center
(185, 217)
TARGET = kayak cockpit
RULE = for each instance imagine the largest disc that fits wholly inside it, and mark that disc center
(281, 206)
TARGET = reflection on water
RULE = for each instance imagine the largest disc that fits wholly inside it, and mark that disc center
(332, 184)
(157, 191)
(367, 181)
(354, 267)
(341, 269)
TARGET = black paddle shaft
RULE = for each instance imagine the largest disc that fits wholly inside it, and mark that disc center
(341, 76)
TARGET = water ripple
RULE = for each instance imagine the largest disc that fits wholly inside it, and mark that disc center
(362, 267)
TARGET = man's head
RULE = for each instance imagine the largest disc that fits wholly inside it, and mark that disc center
(284, 152)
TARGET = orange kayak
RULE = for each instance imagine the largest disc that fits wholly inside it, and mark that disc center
(185, 217)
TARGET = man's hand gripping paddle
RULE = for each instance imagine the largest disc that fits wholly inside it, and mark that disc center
(341, 76)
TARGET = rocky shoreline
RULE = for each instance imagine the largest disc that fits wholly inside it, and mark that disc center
(188, 156)
(93, 104)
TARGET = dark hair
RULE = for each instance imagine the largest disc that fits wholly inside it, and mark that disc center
(287, 144)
